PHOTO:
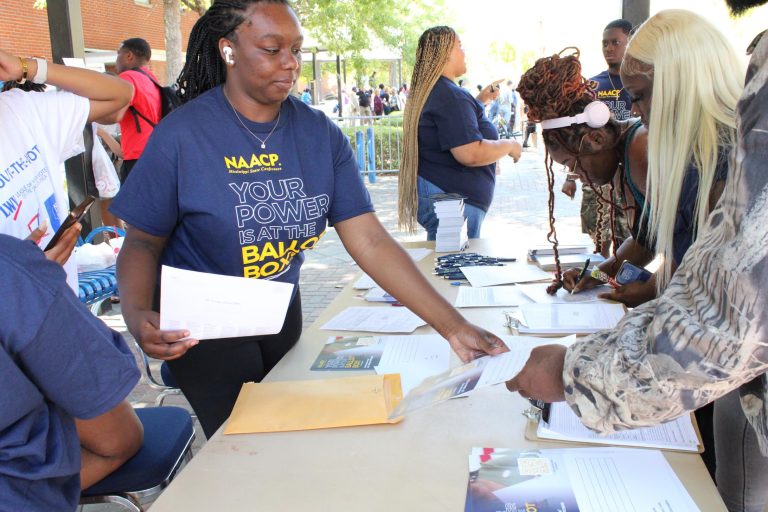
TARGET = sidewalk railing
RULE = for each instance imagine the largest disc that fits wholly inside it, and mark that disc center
(376, 142)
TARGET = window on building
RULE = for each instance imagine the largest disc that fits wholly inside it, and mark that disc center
(142, 2)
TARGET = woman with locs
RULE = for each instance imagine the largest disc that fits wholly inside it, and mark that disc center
(239, 181)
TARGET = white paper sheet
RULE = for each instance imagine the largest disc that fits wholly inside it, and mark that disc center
(490, 296)
(568, 318)
(537, 292)
(212, 306)
(503, 367)
(414, 357)
(564, 425)
(626, 479)
(506, 274)
(587, 479)
(375, 319)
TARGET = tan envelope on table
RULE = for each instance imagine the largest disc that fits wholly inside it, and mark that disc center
(313, 404)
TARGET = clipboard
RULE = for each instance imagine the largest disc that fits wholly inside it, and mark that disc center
(531, 429)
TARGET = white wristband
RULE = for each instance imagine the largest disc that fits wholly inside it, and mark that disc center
(42, 71)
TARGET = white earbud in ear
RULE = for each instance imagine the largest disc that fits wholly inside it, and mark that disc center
(228, 55)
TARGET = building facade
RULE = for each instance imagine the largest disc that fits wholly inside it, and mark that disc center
(106, 23)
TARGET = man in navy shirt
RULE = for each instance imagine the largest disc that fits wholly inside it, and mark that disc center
(610, 91)
(64, 423)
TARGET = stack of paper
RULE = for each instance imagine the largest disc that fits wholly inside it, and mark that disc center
(568, 261)
(564, 425)
(547, 250)
(451, 227)
(567, 318)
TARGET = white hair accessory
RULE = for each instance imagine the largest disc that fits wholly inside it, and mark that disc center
(595, 115)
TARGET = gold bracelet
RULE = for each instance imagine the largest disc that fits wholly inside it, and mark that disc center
(24, 71)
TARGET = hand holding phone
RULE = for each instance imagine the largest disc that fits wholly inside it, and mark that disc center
(629, 273)
(76, 215)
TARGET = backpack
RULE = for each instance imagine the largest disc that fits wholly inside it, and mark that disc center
(378, 105)
(169, 100)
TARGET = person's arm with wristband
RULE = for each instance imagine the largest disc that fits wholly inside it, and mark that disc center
(108, 95)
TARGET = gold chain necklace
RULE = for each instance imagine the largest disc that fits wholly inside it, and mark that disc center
(613, 87)
(263, 141)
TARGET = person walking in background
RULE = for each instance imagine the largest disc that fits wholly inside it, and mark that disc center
(144, 111)
(306, 97)
(449, 145)
(609, 90)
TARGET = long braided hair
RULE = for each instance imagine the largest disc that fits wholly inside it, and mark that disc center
(204, 68)
(432, 53)
(552, 88)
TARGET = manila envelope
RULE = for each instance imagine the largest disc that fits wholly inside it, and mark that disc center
(313, 404)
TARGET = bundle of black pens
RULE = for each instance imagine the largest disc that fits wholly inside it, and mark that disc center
(449, 266)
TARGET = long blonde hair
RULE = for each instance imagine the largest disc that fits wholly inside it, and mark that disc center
(432, 53)
(697, 77)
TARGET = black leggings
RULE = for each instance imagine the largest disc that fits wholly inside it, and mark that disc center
(211, 374)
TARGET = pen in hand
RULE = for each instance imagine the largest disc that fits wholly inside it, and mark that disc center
(581, 276)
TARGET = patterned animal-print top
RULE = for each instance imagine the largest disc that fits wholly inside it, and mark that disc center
(708, 333)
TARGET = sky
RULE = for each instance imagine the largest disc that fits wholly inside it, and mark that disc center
(544, 27)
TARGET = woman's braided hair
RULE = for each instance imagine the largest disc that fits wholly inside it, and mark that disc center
(432, 53)
(552, 88)
(204, 68)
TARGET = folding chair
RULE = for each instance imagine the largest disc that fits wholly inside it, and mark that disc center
(165, 386)
(168, 437)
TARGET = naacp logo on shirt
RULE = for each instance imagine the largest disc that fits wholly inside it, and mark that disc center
(244, 164)
(608, 94)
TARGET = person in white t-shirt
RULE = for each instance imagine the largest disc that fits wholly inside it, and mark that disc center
(40, 131)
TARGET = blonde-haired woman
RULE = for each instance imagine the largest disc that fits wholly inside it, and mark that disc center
(687, 67)
(449, 144)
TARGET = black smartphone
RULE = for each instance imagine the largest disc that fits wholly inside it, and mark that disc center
(76, 215)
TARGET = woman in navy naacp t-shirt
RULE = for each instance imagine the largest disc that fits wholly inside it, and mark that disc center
(241, 180)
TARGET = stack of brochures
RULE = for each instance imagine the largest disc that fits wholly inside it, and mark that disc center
(451, 227)
(570, 256)
(568, 261)
(537, 252)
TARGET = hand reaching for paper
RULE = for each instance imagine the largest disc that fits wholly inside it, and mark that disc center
(542, 376)
(470, 342)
